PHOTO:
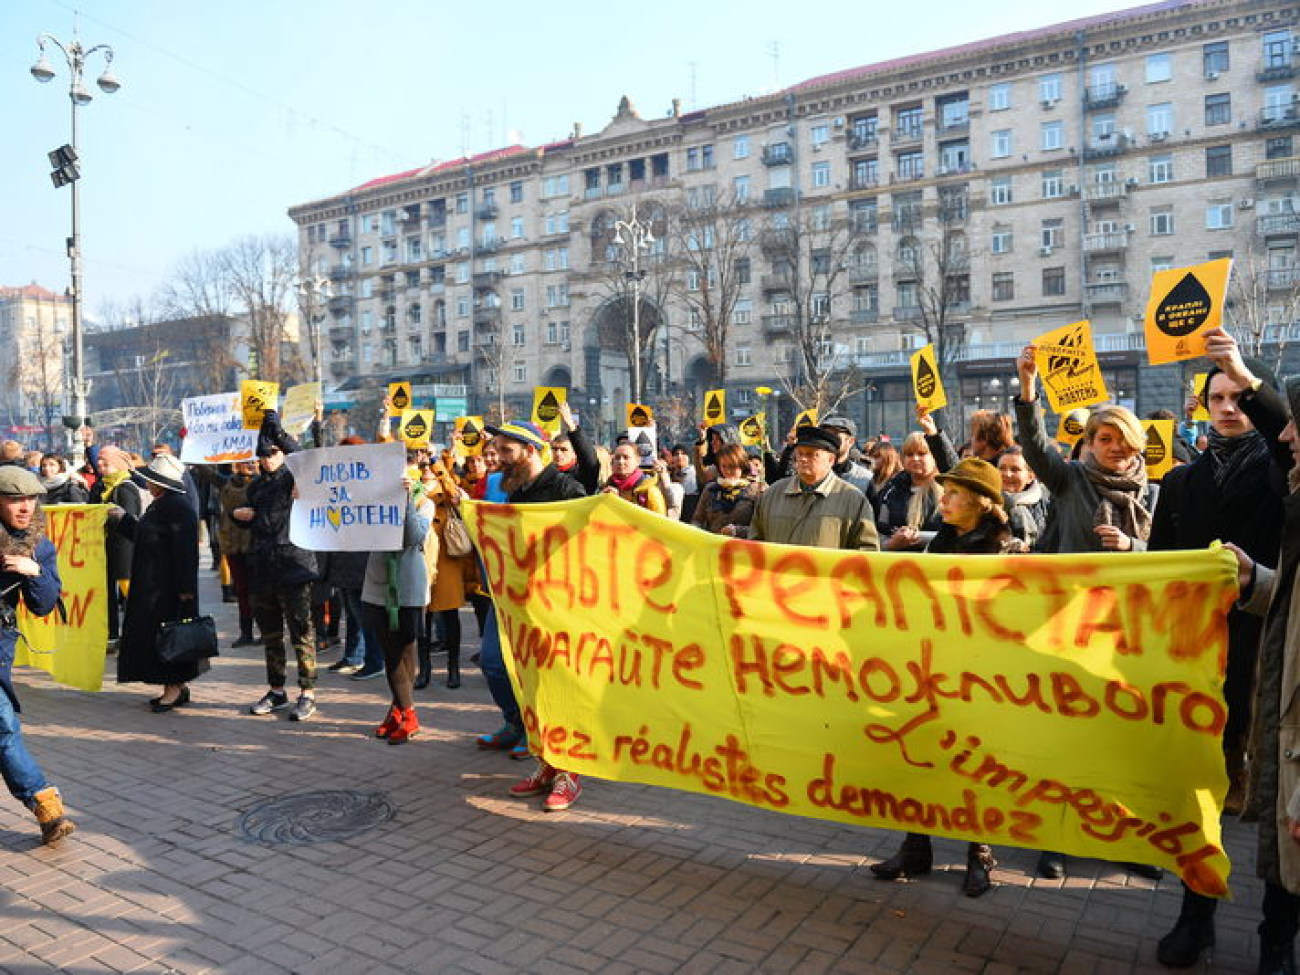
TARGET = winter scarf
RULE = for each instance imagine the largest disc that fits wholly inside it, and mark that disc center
(1121, 496)
(727, 491)
(1228, 455)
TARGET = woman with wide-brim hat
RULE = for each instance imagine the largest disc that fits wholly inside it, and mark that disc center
(164, 583)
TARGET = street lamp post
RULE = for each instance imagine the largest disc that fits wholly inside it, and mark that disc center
(634, 237)
(313, 291)
(65, 172)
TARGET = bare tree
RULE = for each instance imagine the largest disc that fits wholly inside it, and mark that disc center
(491, 352)
(261, 273)
(1262, 303)
(148, 389)
(199, 285)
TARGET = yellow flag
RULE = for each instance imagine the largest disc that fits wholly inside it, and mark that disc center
(639, 415)
(415, 426)
(1071, 427)
(547, 401)
(715, 406)
(808, 418)
(1159, 451)
(399, 398)
(1067, 364)
(1185, 303)
(256, 396)
(1198, 390)
(753, 430)
(470, 429)
(927, 385)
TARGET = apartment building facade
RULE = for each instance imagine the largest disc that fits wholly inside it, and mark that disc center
(34, 325)
(978, 195)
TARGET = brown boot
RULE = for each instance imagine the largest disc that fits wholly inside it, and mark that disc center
(48, 807)
(1234, 760)
(912, 859)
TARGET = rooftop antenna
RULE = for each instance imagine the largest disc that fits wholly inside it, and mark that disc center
(774, 49)
(464, 135)
(694, 66)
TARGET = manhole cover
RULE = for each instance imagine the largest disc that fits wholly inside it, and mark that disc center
(316, 817)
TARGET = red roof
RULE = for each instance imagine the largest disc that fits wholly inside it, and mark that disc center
(493, 155)
(32, 290)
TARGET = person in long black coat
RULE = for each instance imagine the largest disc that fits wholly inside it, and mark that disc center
(164, 584)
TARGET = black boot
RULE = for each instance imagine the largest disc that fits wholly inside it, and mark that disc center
(1192, 933)
(228, 594)
(1051, 865)
(979, 863)
(912, 859)
(453, 667)
(245, 633)
(426, 666)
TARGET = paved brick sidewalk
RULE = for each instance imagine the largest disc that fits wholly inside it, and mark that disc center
(632, 879)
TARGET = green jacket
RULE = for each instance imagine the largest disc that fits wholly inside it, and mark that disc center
(833, 515)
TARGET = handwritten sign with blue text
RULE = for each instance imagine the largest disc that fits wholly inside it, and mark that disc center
(348, 499)
(214, 430)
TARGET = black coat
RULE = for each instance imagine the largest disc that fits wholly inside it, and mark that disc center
(990, 537)
(549, 485)
(130, 498)
(274, 562)
(165, 566)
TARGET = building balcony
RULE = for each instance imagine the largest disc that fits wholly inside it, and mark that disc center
(340, 333)
(487, 279)
(863, 273)
(486, 211)
(341, 241)
(782, 197)
(387, 294)
(958, 306)
(340, 368)
(1105, 192)
(859, 141)
(864, 316)
(1105, 243)
(489, 317)
(954, 126)
(1106, 292)
(857, 182)
(778, 241)
(340, 304)
(1278, 223)
(908, 132)
(863, 223)
(778, 324)
(1103, 146)
(776, 282)
(1106, 95)
(1278, 168)
(908, 313)
(1276, 69)
(778, 154)
(1278, 117)
(340, 272)
(437, 221)
(1283, 278)
(489, 245)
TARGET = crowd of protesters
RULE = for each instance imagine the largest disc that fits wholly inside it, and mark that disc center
(1007, 487)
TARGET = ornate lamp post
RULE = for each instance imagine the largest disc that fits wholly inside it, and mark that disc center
(66, 172)
(635, 238)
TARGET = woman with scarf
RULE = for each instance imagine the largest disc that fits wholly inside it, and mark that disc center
(62, 486)
(631, 483)
(909, 504)
(1026, 501)
(726, 505)
(1233, 492)
(974, 523)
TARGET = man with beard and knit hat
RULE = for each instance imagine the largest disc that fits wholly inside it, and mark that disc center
(1234, 493)
(29, 575)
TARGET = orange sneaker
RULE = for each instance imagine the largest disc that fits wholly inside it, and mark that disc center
(408, 727)
(391, 723)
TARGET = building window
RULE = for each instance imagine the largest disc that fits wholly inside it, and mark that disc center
(999, 97)
(819, 134)
(1214, 59)
(821, 174)
(741, 312)
(1160, 169)
(1051, 136)
(909, 123)
(1278, 147)
(557, 295)
(1277, 49)
(367, 256)
(1004, 286)
(519, 334)
(866, 173)
(552, 333)
(743, 356)
(1000, 191)
(1160, 67)
(740, 147)
(1218, 161)
(1160, 119)
(744, 270)
(1053, 184)
(1162, 221)
(517, 191)
(517, 265)
(911, 165)
(740, 189)
(462, 306)
(1049, 88)
(1003, 240)
(1053, 282)
(516, 227)
(1218, 215)
(1052, 232)
(1000, 143)
(520, 372)
(462, 203)
(1218, 109)
(555, 186)
(516, 299)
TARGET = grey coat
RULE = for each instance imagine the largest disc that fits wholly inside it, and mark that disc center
(834, 515)
(412, 572)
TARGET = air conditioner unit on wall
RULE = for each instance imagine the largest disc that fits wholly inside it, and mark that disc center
(1044, 252)
(1245, 203)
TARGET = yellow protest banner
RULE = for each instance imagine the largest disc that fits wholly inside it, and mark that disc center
(1060, 702)
(1185, 303)
(399, 398)
(299, 407)
(72, 652)
(471, 433)
(547, 401)
(1071, 427)
(1068, 367)
(753, 430)
(1159, 453)
(256, 396)
(808, 418)
(715, 407)
(414, 428)
(639, 415)
(1200, 414)
(927, 385)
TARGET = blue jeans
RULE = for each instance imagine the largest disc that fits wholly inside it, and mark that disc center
(355, 644)
(21, 773)
(494, 670)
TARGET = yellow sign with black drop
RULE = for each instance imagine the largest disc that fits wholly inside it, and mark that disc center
(399, 398)
(547, 401)
(1185, 303)
(1068, 366)
(470, 442)
(1071, 427)
(1159, 453)
(927, 385)
(808, 418)
(415, 427)
(1200, 413)
(256, 396)
(753, 430)
(715, 406)
(639, 415)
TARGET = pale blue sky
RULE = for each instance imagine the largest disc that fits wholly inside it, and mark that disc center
(231, 112)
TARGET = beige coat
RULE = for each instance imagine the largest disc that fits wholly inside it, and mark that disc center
(833, 515)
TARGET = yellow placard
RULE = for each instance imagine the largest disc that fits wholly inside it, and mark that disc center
(927, 384)
(72, 652)
(753, 430)
(415, 427)
(256, 396)
(1159, 453)
(399, 398)
(1185, 303)
(472, 436)
(547, 401)
(715, 407)
(1198, 390)
(1071, 426)
(299, 407)
(808, 418)
(1052, 702)
(639, 415)
(1068, 366)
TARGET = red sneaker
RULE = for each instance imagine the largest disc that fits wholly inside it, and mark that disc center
(391, 723)
(537, 783)
(407, 729)
(564, 792)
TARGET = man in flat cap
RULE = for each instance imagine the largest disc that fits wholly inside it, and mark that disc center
(29, 575)
(815, 507)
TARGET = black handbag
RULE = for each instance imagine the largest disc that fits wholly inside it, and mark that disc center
(185, 641)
